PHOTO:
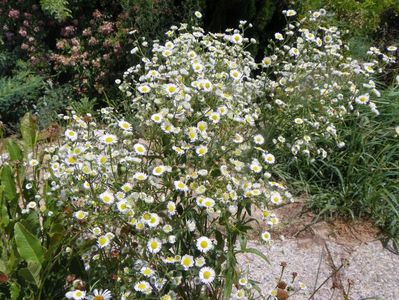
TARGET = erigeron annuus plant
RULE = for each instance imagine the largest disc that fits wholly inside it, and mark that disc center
(162, 202)
(312, 85)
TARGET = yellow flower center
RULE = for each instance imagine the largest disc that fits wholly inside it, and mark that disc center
(204, 244)
(207, 274)
(154, 245)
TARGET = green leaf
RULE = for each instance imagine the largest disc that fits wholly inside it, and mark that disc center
(31, 250)
(229, 276)
(5, 219)
(228, 284)
(256, 252)
(243, 241)
(29, 131)
(14, 151)
(27, 275)
(8, 183)
(35, 269)
(57, 8)
(28, 245)
(3, 267)
(15, 290)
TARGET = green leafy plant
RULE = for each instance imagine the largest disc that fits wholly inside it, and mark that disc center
(57, 8)
(32, 241)
(18, 94)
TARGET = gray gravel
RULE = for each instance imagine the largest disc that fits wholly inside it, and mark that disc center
(373, 269)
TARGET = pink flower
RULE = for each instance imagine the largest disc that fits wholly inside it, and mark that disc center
(13, 13)
(106, 28)
(93, 41)
(22, 32)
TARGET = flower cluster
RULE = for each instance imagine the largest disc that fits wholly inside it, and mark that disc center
(90, 52)
(160, 201)
(311, 84)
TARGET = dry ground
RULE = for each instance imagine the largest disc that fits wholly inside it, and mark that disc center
(315, 250)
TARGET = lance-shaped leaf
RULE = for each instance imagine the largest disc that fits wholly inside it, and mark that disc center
(8, 183)
(29, 130)
(14, 151)
(28, 245)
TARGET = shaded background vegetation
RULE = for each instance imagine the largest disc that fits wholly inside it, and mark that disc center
(55, 53)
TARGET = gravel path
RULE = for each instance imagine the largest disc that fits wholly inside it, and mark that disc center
(314, 249)
(372, 269)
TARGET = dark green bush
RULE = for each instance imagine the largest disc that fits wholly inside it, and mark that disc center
(18, 93)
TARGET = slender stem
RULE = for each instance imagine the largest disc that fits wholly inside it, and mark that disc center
(324, 282)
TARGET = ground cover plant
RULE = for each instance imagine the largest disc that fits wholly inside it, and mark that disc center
(152, 198)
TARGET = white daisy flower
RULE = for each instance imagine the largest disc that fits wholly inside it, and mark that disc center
(158, 170)
(100, 295)
(139, 149)
(76, 295)
(207, 275)
(157, 118)
(80, 215)
(278, 36)
(204, 244)
(266, 62)
(125, 125)
(255, 166)
(269, 158)
(154, 245)
(276, 198)
(171, 206)
(171, 89)
(144, 89)
(147, 271)
(265, 236)
(108, 139)
(197, 67)
(201, 150)
(363, 99)
(202, 126)
(71, 135)
(198, 14)
(143, 287)
(235, 74)
(140, 176)
(103, 241)
(180, 186)
(187, 261)
(259, 139)
(214, 117)
(107, 197)
(236, 38)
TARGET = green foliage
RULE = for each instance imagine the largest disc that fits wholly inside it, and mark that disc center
(7, 62)
(360, 16)
(57, 8)
(29, 131)
(32, 249)
(53, 101)
(84, 106)
(18, 93)
(362, 179)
